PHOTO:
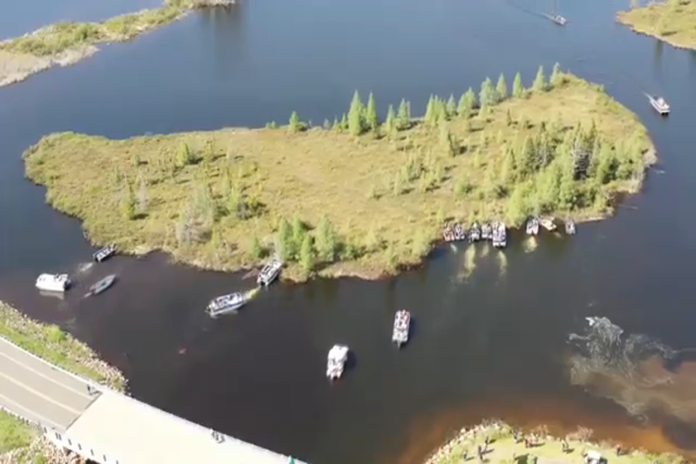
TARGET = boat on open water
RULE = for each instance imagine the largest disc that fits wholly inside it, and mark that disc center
(659, 104)
(102, 285)
(336, 361)
(270, 272)
(226, 304)
(105, 253)
(402, 325)
(53, 282)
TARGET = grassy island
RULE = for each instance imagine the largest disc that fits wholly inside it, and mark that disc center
(19, 442)
(507, 446)
(66, 43)
(357, 196)
(673, 21)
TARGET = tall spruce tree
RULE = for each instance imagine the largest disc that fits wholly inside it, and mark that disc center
(404, 115)
(556, 77)
(487, 94)
(371, 115)
(517, 86)
(501, 88)
(356, 121)
(306, 254)
(326, 240)
(539, 84)
(451, 107)
(294, 124)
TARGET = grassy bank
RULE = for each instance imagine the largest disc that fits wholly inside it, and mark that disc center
(357, 196)
(505, 449)
(673, 21)
(66, 43)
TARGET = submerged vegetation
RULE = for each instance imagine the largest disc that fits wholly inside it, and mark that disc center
(360, 195)
(673, 21)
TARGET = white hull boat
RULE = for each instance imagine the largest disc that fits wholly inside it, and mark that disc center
(226, 304)
(336, 361)
(659, 104)
(105, 253)
(402, 326)
(53, 282)
(269, 272)
(102, 285)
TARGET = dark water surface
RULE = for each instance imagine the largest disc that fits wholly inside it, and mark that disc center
(488, 346)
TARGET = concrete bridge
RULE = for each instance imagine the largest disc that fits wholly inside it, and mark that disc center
(107, 427)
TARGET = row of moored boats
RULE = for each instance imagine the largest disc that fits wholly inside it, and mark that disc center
(495, 232)
(338, 354)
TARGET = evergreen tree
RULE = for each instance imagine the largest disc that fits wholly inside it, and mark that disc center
(446, 140)
(539, 84)
(390, 123)
(306, 255)
(517, 86)
(286, 245)
(256, 250)
(404, 116)
(372, 117)
(463, 110)
(487, 95)
(327, 124)
(344, 122)
(128, 203)
(356, 121)
(298, 234)
(336, 126)
(326, 240)
(451, 107)
(556, 77)
(185, 156)
(501, 88)
(294, 124)
(430, 111)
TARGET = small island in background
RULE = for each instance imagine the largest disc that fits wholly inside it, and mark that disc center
(66, 43)
(358, 196)
(673, 21)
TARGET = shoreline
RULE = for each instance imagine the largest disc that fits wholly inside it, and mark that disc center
(379, 213)
(17, 64)
(667, 22)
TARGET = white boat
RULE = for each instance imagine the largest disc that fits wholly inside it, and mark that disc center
(402, 325)
(660, 105)
(53, 282)
(475, 232)
(548, 223)
(269, 272)
(499, 235)
(336, 361)
(105, 253)
(570, 227)
(226, 304)
(102, 285)
(558, 19)
(532, 226)
(486, 231)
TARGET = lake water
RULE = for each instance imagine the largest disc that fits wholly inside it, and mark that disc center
(492, 345)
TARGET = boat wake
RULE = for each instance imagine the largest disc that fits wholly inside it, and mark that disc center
(84, 268)
(641, 374)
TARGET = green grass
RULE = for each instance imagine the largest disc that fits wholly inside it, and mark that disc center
(14, 433)
(62, 36)
(386, 193)
(673, 21)
(55, 346)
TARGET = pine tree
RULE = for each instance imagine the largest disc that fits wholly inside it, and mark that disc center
(451, 107)
(298, 234)
(344, 122)
(487, 94)
(306, 254)
(501, 88)
(539, 84)
(430, 118)
(336, 126)
(356, 121)
(128, 203)
(517, 86)
(286, 246)
(294, 124)
(446, 140)
(371, 116)
(256, 250)
(390, 123)
(556, 77)
(404, 116)
(326, 240)
(463, 110)
(327, 124)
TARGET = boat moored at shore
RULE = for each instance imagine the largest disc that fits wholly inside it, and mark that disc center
(532, 226)
(453, 232)
(486, 231)
(570, 227)
(104, 253)
(336, 361)
(475, 232)
(226, 304)
(53, 282)
(269, 272)
(402, 326)
(499, 235)
(548, 223)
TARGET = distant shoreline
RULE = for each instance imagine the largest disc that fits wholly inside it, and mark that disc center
(672, 21)
(67, 43)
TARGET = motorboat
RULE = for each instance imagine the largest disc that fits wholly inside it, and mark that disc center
(659, 104)
(402, 325)
(548, 223)
(270, 272)
(336, 361)
(475, 232)
(53, 282)
(499, 235)
(226, 304)
(558, 19)
(570, 227)
(102, 285)
(486, 231)
(532, 226)
(459, 232)
(104, 253)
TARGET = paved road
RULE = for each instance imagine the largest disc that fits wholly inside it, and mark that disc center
(38, 391)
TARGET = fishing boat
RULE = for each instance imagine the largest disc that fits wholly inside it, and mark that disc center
(486, 231)
(53, 282)
(659, 103)
(475, 232)
(499, 235)
(336, 361)
(459, 232)
(105, 253)
(270, 272)
(447, 233)
(555, 17)
(532, 226)
(102, 285)
(226, 304)
(548, 223)
(402, 325)
(570, 227)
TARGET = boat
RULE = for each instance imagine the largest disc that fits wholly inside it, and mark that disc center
(459, 232)
(105, 253)
(532, 226)
(226, 304)
(53, 282)
(402, 325)
(555, 17)
(548, 223)
(499, 235)
(570, 227)
(475, 232)
(659, 103)
(447, 233)
(102, 285)
(269, 272)
(336, 361)
(486, 231)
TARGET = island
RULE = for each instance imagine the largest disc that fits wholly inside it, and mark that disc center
(357, 196)
(66, 43)
(500, 443)
(20, 442)
(673, 21)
